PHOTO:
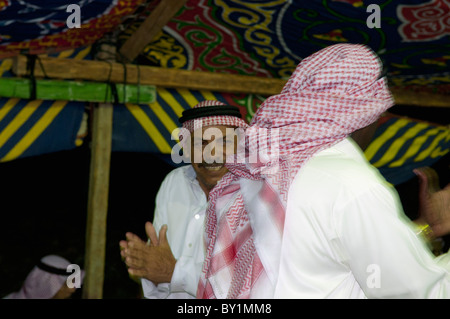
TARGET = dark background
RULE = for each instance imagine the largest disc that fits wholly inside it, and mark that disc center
(44, 211)
(44, 206)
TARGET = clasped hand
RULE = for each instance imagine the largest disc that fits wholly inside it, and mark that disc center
(152, 260)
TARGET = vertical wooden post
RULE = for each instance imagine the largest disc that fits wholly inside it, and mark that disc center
(97, 209)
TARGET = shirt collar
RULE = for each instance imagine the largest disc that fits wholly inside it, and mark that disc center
(192, 177)
(190, 173)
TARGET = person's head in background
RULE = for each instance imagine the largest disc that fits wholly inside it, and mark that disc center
(47, 280)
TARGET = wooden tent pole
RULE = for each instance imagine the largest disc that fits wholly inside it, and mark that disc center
(97, 209)
(192, 80)
(151, 26)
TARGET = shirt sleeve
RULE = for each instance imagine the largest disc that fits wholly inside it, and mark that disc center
(150, 290)
(184, 278)
(183, 282)
(386, 257)
(160, 213)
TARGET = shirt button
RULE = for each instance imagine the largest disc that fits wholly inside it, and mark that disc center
(196, 216)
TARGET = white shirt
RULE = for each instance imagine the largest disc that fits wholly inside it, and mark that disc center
(181, 205)
(346, 236)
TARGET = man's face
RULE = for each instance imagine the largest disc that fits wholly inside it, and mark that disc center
(209, 148)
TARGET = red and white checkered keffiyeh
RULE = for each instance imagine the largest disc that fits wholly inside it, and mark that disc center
(331, 94)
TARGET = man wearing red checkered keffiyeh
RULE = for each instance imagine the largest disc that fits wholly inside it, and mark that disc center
(311, 218)
(169, 264)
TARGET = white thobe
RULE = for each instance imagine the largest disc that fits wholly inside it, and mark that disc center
(181, 205)
(346, 236)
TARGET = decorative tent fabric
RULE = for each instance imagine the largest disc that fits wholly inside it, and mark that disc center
(403, 144)
(29, 128)
(264, 38)
(35, 27)
(269, 38)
